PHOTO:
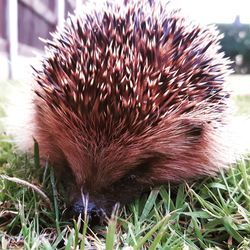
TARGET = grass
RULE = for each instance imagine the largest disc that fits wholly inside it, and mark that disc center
(243, 105)
(213, 213)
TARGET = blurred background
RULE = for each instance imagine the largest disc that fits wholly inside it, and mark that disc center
(22, 22)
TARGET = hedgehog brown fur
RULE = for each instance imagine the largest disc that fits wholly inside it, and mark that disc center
(131, 95)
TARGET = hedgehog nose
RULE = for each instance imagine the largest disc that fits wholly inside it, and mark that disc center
(96, 215)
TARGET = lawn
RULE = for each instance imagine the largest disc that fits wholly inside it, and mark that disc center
(212, 213)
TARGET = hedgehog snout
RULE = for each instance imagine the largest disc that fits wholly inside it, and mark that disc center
(96, 215)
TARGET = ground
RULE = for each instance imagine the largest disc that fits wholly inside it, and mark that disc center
(213, 213)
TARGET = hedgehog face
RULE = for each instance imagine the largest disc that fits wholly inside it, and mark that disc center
(114, 178)
(120, 181)
(119, 168)
(100, 205)
(130, 96)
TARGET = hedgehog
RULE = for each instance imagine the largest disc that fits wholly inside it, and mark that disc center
(129, 95)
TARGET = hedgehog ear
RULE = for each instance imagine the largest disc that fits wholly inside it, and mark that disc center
(194, 132)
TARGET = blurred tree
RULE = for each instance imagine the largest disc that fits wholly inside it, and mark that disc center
(236, 44)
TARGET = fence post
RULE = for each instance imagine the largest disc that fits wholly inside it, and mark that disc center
(12, 27)
(78, 4)
(60, 13)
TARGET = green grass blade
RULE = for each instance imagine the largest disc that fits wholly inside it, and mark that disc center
(111, 233)
(149, 204)
(56, 208)
(149, 234)
(84, 232)
(36, 155)
(231, 229)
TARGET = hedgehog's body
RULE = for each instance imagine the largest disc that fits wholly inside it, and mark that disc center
(130, 97)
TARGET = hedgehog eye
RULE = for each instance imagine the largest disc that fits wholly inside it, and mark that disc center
(146, 164)
(137, 172)
(131, 177)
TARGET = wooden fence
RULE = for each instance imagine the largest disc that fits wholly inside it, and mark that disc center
(22, 22)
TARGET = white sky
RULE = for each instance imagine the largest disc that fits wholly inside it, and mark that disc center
(216, 11)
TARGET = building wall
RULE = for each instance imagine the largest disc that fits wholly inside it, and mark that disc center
(19, 42)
